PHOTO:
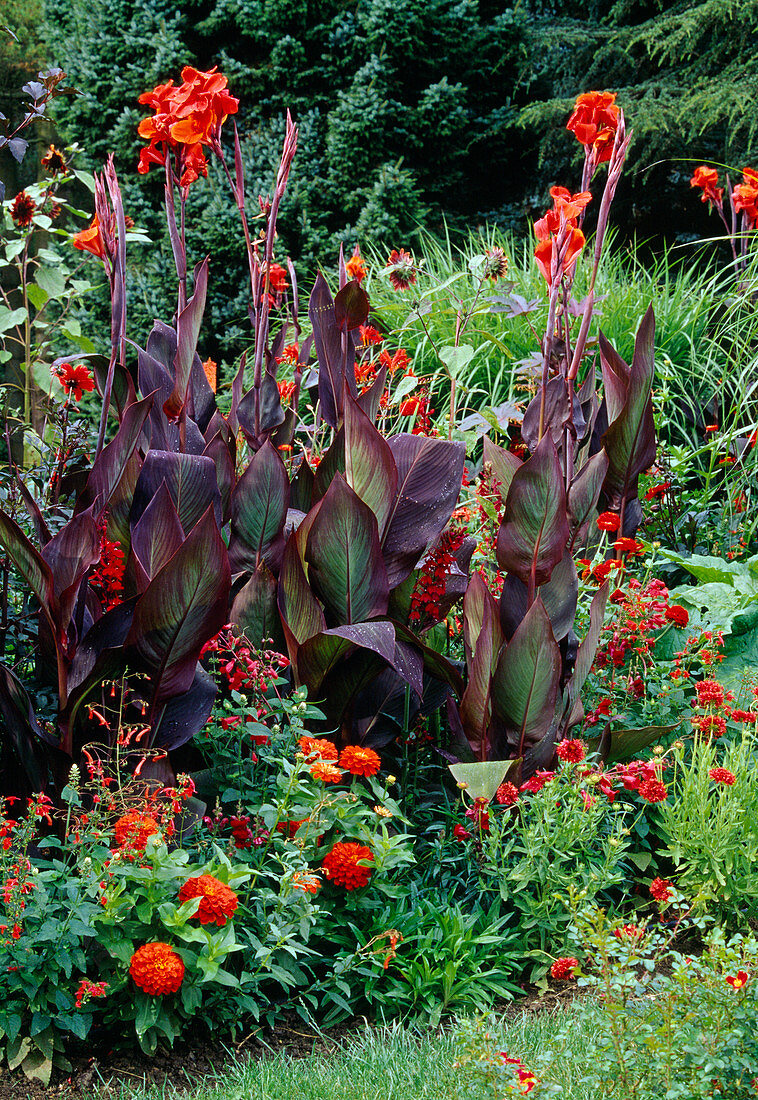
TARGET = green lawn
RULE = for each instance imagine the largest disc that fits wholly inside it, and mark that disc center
(390, 1063)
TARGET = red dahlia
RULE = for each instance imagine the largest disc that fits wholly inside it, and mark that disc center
(722, 775)
(22, 210)
(564, 968)
(571, 750)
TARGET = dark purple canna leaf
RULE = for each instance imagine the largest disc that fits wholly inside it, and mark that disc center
(190, 479)
(370, 469)
(344, 557)
(503, 465)
(525, 686)
(435, 664)
(583, 494)
(429, 481)
(332, 462)
(221, 453)
(587, 650)
(534, 532)
(254, 609)
(260, 410)
(351, 307)
(156, 536)
(26, 736)
(183, 716)
(319, 655)
(187, 332)
(107, 635)
(335, 351)
(556, 414)
(475, 608)
(70, 554)
(630, 438)
(301, 487)
(184, 605)
(259, 509)
(111, 463)
(301, 613)
(119, 508)
(32, 567)
(370, 398)
(123, 393)
(559, 596)
(481, 613)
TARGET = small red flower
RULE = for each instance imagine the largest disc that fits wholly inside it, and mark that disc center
(507, 794)
(737, 980)
(90, 239)
(608, 521)
(75, 378)
(22, 210)
(401, 269)
(564, 968)
(722, 775)
(571, 750)
(660, 889)
(629, 932)
(677, 614)
(709, 691)
(461, 833)
(652, 790)
(707, 180)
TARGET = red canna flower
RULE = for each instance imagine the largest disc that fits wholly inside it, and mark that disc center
(75, 378)
(594, 122)
(707, 180)
(90, 240)
(355, 267)
(745, 196)
(22, 210)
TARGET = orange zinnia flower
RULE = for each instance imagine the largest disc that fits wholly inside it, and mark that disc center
(594, 122)
(309, 884)
(327, 773)
(320, 747)
(157, 969)
(343, 864)
(217, 901)
(360, 761)
(134, 829)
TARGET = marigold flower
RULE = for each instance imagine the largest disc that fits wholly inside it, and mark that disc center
(660, 889)
(359, 760)
(507, 794)
(309, 884)
(564, 967)
(722, 775)
(90, 239)
(157, 969)
(134, 828)
(594, 122)
(22, 210)
(571, 750)
(401, 269)
(608, 521)
(326, 772)
(343, 865)
(737, 980)
(652, 790)
(677, 614)
(319, 748)
(75, 378)
(217, 900)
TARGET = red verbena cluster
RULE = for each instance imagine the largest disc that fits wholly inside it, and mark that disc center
(429, 589)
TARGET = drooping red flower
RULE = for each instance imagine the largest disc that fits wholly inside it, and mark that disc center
(157, 969)
(677, 614)
(461, 833)
(344, 864)
(652, 790)
(722, 775)
(75, 378)
(218, 901)
(564, 968)
(22, 210)
(608, 521)
(571, 750)
(359, 760)
(135, 828)
(401, 269)
(107, 577)
(660, 889)
(594, 122)
(707, 180)
(90, 239)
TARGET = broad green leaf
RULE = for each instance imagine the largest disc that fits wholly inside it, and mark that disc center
(456, 359)
(37, 296)
(503, 465)
(525, 685)
(10, 318)
(51, 281)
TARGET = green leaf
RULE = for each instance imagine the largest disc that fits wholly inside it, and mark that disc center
(51, 281)
(482, 778)
(9, 318)
(525, 685)
(37, 296)
(86, 178)
(456, 359)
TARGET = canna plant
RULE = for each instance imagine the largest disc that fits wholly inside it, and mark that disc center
(526, 667)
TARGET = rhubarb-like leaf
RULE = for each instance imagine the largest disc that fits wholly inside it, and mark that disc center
(503, 465)
(525, 685)
(583, 493)
(156, 536)
(319, 655)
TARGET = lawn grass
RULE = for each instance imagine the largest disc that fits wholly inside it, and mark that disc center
(379, 1063)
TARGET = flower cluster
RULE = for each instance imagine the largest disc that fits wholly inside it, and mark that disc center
(243, 668)
(559, 238)
(431, 583)
(594, 122)
(107, 577)
(134, 829)
(88, 991)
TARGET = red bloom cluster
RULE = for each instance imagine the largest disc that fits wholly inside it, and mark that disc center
(431, 583)
(355, 267)
(134, 829)
(217, 901)
(707, 180)
(186, 119)
(745, 196)
(89, 990)
(107, 577)
(157, 969)
(564, 968)
(506, 794)
(630, 932)
(536, 782)
(559, 239)
(594, 123)
(641, 611)
(722, 775)
(643, 776)
(571, 750)
(677, 614)
(75, 378)
(479, 815)
(526, 1079)
(243, 668)
(343, 864)
(660, 889)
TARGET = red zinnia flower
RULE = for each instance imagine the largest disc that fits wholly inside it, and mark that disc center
(506, 794)
(564, 968)
(652, 790)
(677, 614)
(629, 546)
(22, 210)
(571, 750)
(401, 268)
(359, 761)
(342, 865)
(157, 969)
(217, 901)
(660, 889)
(134, 829)
(608, 521)
(75, 379)
(722, 775)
